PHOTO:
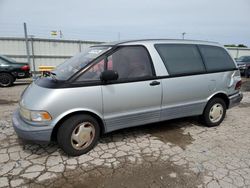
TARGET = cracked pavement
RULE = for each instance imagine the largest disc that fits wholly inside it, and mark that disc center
(177, 153)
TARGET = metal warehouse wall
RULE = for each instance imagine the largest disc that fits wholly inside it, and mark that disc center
(237, 52)
(53, 51)
(42, 51)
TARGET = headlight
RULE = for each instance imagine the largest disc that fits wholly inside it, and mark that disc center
(38, 116)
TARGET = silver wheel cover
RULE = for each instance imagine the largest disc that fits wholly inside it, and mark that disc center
(83, 135)
(216, 113)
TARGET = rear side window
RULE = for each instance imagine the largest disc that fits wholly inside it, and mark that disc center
(216, 58)
(181, 59)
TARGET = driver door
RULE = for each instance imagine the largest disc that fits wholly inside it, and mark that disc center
(135, 98)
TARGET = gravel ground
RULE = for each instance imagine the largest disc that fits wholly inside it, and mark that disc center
(178, 153)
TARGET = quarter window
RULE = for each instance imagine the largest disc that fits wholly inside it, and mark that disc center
(130, 62)
(181, 59)
(216, 58)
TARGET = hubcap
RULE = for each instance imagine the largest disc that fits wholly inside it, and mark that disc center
(83, 135)
(216, 113)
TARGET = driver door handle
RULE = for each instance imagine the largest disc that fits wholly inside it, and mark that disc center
(154, 83)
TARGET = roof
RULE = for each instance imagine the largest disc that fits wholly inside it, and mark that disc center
(150, 41)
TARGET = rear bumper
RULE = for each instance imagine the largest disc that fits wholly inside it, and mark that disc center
(235, 99)
(30, 132)
(20, 75)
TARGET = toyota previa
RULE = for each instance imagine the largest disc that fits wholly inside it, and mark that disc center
(124, 84)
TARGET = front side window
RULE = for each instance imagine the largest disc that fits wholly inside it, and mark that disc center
(93, 73)
(130, 62)
(181, 58)
(216, 58)
(71, 66)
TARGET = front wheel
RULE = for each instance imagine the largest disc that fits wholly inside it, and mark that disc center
(214, 112)
(78, 134)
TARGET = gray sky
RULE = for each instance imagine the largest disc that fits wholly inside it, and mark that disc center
(224, 21)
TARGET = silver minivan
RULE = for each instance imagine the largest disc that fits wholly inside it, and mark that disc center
(118, 85)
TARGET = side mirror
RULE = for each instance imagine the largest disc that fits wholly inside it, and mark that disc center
(109, 75)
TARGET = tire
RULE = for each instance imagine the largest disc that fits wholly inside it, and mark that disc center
(78, 134)
(211, 119)
(6, 80)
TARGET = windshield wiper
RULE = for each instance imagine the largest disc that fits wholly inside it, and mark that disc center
(52, 75)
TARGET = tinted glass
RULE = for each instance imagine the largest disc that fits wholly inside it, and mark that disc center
(93, 74)
(216, 58)
(130, 62)
(181, 59)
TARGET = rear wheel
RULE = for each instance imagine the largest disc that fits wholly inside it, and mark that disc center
(214, 112)
(78, 134)
(6, 80)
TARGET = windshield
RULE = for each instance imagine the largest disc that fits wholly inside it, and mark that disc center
(67, 69)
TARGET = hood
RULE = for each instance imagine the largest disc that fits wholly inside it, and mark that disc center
(36, 97)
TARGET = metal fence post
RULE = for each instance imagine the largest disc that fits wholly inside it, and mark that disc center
(33, 56)
(80, 46)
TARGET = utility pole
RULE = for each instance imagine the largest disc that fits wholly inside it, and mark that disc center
(27, 45)
(183, 35)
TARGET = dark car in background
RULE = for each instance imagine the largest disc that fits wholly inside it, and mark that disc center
(10, 70)
(243, 63)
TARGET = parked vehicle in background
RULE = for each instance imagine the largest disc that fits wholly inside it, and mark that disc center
(243, 63)
(119, 85)
(10, 70)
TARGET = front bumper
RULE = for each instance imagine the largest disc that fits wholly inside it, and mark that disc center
(235, 99)
(31, 132)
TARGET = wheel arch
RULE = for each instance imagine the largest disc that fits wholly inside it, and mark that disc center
(58, 124)
(221, 95)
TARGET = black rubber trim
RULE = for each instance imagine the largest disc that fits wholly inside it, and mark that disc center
(237, 93)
